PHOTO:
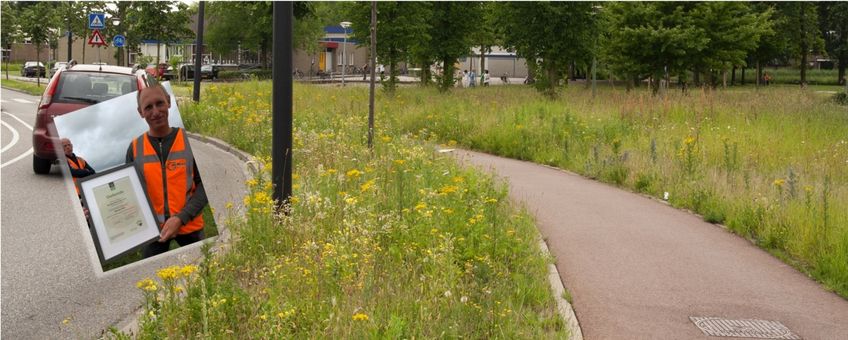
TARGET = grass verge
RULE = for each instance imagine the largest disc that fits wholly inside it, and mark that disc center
(25, 86)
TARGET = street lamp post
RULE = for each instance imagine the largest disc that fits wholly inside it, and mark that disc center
(345, 25)
(117, 22)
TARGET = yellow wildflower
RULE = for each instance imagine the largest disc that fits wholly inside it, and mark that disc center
(386, 139)
(420, 206)
(252, 182)
(360, 316)
(448, 189)
(367, 185)
(354, 173)
(399, 161)
(779, 182)
(689, 140)
(188, 269)
(351, 200)
(168, 273)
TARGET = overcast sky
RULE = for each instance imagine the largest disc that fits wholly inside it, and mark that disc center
(101, 133)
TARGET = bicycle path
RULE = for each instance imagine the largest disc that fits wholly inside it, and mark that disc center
(639, 269)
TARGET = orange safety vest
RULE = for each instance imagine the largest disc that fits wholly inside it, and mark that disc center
(76, 166)
(179, 171)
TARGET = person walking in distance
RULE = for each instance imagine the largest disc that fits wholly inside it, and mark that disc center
(163, 159)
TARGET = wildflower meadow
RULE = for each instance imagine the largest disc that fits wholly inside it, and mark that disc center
(395, 243)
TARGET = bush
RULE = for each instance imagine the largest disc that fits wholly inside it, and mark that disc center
(841, 98)
(259, 74)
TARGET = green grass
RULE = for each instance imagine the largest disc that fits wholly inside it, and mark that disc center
(14, 68)
(792, 75)
(24, 86)
(398, 243)
(769, 163)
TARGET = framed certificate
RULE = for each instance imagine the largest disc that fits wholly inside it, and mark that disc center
(122, 219)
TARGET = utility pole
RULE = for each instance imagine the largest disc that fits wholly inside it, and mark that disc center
(281, 104)
(198, 52)
(373, 74)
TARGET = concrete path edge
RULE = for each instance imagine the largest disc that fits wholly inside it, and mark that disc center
(557, 289)
(130, 324)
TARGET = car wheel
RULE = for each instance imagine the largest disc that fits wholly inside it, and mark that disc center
(40, 166)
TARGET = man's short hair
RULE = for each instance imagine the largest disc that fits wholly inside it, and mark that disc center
(151, 85)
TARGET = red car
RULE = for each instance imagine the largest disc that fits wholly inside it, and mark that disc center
(72, 88)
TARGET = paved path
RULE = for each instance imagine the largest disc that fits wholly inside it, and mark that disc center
(48, 273)
(638, 268)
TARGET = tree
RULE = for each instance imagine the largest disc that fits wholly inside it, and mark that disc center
(33, 27)
(487, 32)
(802, 27)
(732, 31)
(549, 35)
(450, 36)
(834, 25)
(400, 26)
(772, 43)
(232, 30)
(9, 30)
(163, 21)
(649, 39)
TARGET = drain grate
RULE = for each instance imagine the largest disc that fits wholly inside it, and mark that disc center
(748, 328)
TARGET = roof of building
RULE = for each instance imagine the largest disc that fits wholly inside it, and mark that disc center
(337, 29)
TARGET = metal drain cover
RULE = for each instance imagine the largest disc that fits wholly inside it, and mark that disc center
(748, 328)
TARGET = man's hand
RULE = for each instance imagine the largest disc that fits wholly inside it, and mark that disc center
(170, 228)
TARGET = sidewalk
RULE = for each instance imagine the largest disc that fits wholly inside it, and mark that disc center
(639, 269)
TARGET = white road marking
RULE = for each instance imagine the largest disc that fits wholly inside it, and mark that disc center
(15, 137)
(27, 153)
(24, 101)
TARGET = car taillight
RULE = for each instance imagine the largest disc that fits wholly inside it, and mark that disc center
(47, 98)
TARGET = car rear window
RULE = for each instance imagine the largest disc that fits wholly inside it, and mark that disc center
(92, 87)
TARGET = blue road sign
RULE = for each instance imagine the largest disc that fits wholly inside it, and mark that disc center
(119, 40)
(96, 21)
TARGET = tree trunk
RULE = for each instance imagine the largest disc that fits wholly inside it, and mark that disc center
(37, 60)
(733, 77)
(447, 75)
(724, 79)
(804, 47)
(742, 80)
(841, 77)
(803, 69)
(483, 51)
(158, 54)
(696, 78)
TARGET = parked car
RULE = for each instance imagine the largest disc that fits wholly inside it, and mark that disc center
(56, 67)
(209, 71)
(72, 88)
(33, 69)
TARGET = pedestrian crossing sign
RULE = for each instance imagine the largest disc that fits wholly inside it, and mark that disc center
(96, 21)
(96, 39)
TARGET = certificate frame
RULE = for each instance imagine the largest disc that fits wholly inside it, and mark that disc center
(129, 204)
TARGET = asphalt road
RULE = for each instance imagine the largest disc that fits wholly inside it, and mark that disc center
(638, 268)
(49, 270)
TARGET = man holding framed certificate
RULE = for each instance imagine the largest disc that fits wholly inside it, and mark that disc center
(163, 159)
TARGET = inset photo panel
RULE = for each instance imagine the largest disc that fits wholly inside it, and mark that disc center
(130, 162)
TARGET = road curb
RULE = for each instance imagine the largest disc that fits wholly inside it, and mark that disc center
(558, 289)
(129, 325)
